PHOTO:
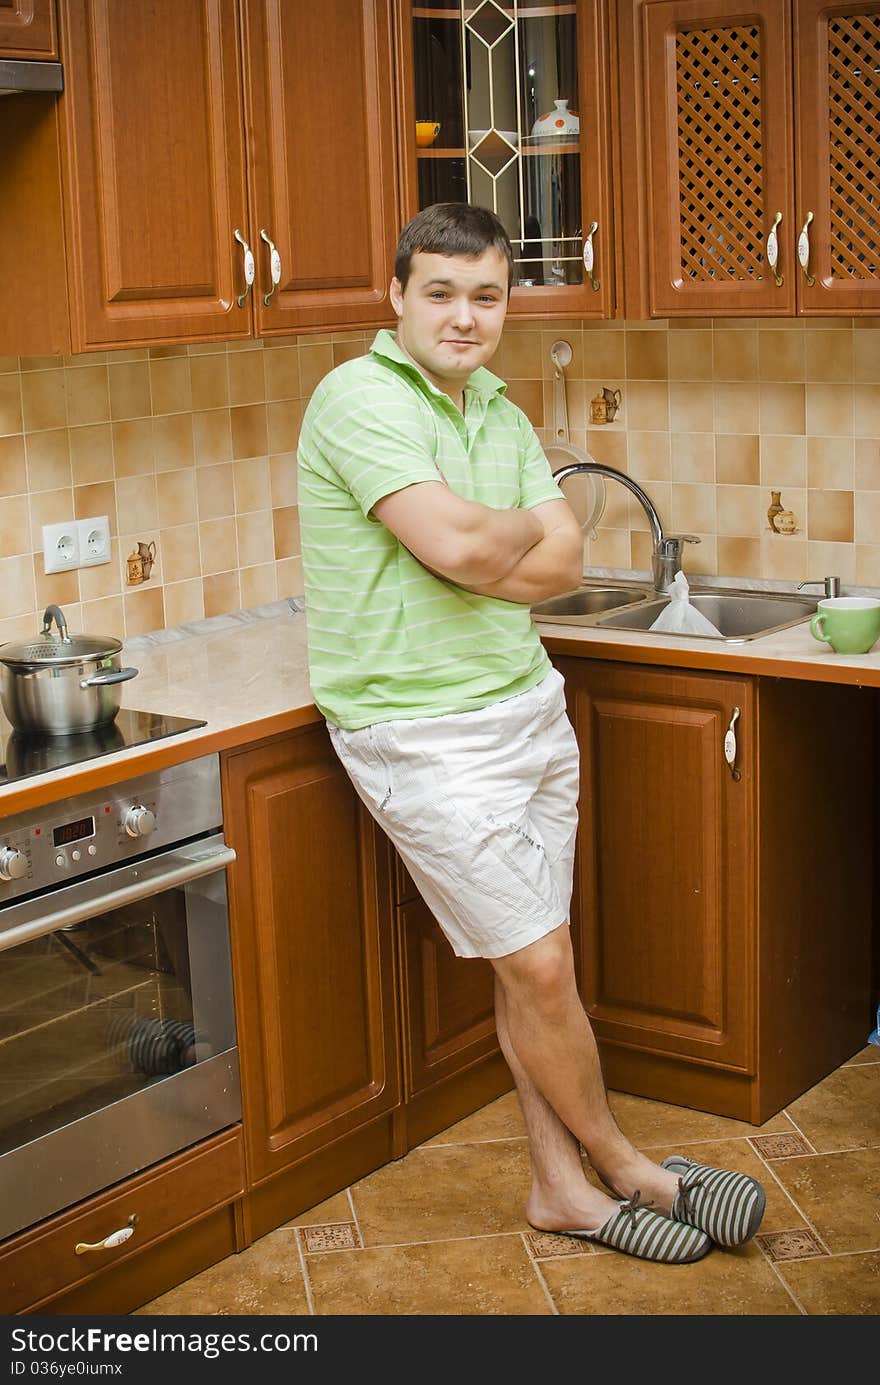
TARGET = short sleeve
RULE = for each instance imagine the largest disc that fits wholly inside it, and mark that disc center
(536, 484)
(375, 434)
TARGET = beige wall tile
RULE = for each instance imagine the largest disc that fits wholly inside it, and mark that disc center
(136, 505)
(180, 552)
(830, 515)
(215, 491)
(528, 395)
(691, 407)
(49, 507)
(640, 552)
(144, 611)
(255, 538)
(347, 351)
(88, 396)
(218, 545)
(13, 470)
(250, 435)
(866, 356)
(258, 585)
(782, 409)
(868, 565)
(15, 528)
(222, 593)
(829, 410)
(646, 405)
(247, 383)
(282, 374)
(8, 364)
(739, 557)
(520, 357)
(563, 331)
(608, 447)
(867, 410)
(867, 517)
(60, 588)
(286, 528)
(832, 557)
(44, 400)
(170, 389)
(173, 441)
(736, 408)
(646, 355)
(184, 601)
(781, 354)
(740, 510)
(649, 456)
(603, 355)
(99, 499)
(212, 437)
(289, 574)
(690, 355)
(659, 492)
(693, 509)
(783, 462)
(829, 355)
(867, 464)
(830, 463)
(133, 447)
(784, 558)
(610, 548)
(209, 381)
(701, 559)
(48, 460)
(735, 355)
(95, 583)
(129, 388)
(91, 453)
(693, 457)
(283, 480)
(737, 460)
(10, 404)
(176, 497)
(104, 616)
(314, 363)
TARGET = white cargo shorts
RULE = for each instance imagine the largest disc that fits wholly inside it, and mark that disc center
(482, 808)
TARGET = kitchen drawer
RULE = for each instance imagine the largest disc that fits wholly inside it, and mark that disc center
(40, 1263)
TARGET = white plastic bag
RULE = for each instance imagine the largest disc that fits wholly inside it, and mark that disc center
(680, 617)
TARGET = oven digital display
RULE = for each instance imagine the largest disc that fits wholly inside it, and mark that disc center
(73, 831)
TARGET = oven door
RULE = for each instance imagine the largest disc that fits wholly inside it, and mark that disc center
(117, 1028)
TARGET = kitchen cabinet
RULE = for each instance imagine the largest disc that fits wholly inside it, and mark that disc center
(725, 910)
(486, 74)
(28, 29)
(311, 919)
(748, 139)
(211, 187)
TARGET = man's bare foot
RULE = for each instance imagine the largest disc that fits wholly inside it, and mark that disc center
(637, 1173)
(582, 1209)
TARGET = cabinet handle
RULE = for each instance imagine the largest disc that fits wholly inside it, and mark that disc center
(116, 1238)
(589, 256)
(250, 268)
(803, 250)
(773, 250)
(274, 267)
(730, 746)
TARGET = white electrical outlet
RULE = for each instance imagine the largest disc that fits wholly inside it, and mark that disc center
(94, 541)
(61, 546)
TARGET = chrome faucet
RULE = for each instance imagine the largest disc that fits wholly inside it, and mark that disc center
(665, 548)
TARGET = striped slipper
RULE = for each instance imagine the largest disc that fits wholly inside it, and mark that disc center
(636, 1230)
(727, 1206)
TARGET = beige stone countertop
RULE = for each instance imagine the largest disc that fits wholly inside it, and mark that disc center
(246, 676)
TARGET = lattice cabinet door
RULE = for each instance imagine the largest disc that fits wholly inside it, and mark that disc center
(837, 61)
(719, 155)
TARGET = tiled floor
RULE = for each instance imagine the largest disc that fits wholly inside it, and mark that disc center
(442, 1231)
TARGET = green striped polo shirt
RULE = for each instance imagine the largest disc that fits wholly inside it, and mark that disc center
(386, 638)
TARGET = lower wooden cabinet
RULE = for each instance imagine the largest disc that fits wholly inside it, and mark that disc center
(724, 908)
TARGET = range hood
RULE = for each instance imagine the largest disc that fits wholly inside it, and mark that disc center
(17, 74)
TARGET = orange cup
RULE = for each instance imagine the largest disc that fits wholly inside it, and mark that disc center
(426, 132)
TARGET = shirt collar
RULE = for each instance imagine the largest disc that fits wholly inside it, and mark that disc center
(481, 382)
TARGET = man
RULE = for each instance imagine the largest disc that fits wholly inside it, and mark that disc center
(430, 524)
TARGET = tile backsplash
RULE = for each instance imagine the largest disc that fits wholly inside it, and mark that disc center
(193, 449)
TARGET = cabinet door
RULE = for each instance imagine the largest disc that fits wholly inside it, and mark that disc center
(27, 29)
(322, 161)
(665, 864)
(718, 156)
(155, 175)
(311, 922)
(449, 1003)
(837, 47)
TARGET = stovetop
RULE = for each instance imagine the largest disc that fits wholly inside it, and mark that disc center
(24, 755)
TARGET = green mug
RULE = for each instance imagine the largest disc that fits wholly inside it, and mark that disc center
(850, 624)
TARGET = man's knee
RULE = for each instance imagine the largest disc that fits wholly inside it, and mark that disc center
(542, 973)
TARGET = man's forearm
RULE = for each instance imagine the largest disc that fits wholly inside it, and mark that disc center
(498, 541)
(552, 566)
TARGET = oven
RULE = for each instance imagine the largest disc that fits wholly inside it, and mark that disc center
(117, 1027)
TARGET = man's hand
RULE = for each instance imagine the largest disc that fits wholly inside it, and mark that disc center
(554, 565)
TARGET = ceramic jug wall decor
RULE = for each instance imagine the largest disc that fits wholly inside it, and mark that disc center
(598, 409)
(147, 554)
(612, 402)
(134, 569)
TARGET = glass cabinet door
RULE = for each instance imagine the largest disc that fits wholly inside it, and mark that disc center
(510, 111)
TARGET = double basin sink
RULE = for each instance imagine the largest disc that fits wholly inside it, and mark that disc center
(737, 616)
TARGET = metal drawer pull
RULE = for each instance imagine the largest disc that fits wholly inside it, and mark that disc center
(116, 1238)
(274, 267)
(730, 746)
(773, 250)
(589, 256)
(803, 250)
(250, 268)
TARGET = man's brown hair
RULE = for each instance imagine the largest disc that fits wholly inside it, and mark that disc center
(451, 228)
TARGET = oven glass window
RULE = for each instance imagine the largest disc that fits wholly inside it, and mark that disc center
(99, 1010)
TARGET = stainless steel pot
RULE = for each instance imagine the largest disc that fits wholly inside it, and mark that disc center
(60, 685)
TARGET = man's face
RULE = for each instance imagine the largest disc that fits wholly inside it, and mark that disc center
(451, 314)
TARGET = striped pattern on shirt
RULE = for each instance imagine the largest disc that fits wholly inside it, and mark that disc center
(386, 638)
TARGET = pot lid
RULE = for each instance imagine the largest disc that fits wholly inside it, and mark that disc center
(53, 651)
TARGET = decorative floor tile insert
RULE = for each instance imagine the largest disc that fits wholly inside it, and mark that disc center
(799, 1244)
(780, 1146)
(545, 1245)
(338, 1236)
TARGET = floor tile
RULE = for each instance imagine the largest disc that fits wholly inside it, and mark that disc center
(780, 1146)
(545, 1245)
(487, 1275)
(445, 1192)
(779, 1213)
(869, 1054)
(332, 1209)
(649, 1123)
(335, 1236)
(839, 1194)
(500, 1120)
(264, 1279)
(798, 1244)
(843, 1110)
(724, 1282)
(844, 1284)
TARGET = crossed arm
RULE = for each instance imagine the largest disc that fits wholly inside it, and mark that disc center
(516, 555)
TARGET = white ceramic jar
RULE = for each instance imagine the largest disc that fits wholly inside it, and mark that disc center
(560, 122)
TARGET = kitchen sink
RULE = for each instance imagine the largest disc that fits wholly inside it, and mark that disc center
(736, 615)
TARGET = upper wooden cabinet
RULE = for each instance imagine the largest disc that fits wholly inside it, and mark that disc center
(27, 29)
(486, 74)
(748, 142)
(196, 135)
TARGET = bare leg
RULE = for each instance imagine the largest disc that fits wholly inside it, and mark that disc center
(550, 1037)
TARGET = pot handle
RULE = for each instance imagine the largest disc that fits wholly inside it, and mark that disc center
(55, 613)
(101, 680)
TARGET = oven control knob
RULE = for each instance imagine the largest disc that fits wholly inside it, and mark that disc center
(13, 863)
(139, 821)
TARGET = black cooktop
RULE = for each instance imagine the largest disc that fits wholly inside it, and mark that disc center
(24, 755)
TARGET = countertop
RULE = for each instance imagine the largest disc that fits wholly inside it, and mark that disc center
(246, 676)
